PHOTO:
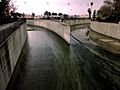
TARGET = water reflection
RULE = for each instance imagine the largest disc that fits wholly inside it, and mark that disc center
(49, 64)
(100, 67)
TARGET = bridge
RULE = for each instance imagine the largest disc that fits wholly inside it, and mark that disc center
(64, 59)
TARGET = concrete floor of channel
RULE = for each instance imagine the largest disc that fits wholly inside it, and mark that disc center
(49, 63)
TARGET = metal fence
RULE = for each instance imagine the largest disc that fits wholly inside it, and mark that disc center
(5, 33)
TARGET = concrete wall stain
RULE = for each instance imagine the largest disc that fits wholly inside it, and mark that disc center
(9, 54)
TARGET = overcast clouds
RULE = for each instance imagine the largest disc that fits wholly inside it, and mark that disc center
(39, 6)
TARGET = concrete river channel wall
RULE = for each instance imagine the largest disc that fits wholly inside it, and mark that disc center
(108, 29)
(107, 35)
(10, 50)
(62, 29)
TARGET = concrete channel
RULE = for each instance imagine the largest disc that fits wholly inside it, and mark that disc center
(49, 63)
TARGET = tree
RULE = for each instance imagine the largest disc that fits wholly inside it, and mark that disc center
(89, 12)
(4, 10)
(33, 15)
(65, 16)
(49, 13)
(91, 4)
(105, 11)
(4, 7)
(60, 14)
(94, 15)
(117, 5)
(110, 11)
(12, 6)
(54, 14)
(109, 2)
(116, 11)
(46, 13)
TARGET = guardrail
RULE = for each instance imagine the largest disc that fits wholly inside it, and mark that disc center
(5, 33)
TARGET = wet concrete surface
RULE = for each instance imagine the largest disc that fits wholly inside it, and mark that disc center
(49, 63)
(107, 67)
(107, 42)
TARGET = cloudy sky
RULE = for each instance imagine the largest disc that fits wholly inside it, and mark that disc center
(78, 7)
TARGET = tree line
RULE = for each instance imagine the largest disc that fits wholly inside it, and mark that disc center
(7, 12)
(49, 13)
(110, 11)
(54, 15)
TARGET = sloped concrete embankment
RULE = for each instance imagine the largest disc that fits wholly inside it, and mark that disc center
(107, 35)
(10, 51)
(107, 67)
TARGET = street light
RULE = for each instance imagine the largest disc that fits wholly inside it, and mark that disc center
(58, 10)
(68, 8)
(91, 5)
(25, 5)
(70, 11)
(48, 5)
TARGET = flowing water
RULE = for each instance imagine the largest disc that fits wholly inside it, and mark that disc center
(49, 63)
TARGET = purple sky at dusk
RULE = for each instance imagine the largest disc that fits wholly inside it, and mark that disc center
(78, 7)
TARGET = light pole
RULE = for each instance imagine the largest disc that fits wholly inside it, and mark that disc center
(47, 5)
(91, 6)
(25, 5)
(68, 8)
(48, 9)
(58, 10)
(70, 11)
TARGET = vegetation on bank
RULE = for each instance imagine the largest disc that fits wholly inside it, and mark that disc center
(110, 11)
(54, 15)
(7, 12)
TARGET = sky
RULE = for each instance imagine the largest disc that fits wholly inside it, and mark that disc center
(75, 7)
